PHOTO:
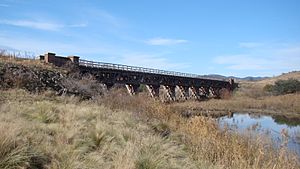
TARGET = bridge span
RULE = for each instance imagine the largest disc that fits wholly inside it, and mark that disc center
(176, 85)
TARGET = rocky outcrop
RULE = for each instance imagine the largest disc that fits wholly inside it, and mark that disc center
(37, 79)
(33, 79)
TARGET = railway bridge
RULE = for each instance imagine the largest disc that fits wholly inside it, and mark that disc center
(176, 85)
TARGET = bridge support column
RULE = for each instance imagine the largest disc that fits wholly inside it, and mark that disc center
(195, 93)
(204, 92)
(153, 90)
(215, 92)
(132, 89)
(170, 91)
(184, 92)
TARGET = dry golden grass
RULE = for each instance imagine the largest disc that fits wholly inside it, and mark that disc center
(230, 150)
(255, 89)
(119, 131)
(30, 62)
(284, 76)
(284, 105)
(217, 148)
(206, 143)
(65, 133)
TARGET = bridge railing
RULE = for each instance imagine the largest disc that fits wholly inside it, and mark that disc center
(133, 68)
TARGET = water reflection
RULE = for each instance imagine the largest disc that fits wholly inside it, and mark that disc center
(281, 129)
(279, 119)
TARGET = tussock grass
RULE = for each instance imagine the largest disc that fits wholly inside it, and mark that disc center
(207, 144)
(80, 134)
(15, 153)
(44, 112)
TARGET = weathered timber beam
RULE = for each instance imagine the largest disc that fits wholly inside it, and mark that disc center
(132, 89)
(183, 92)
(195, 93)
(216, 92)
(170, 91)
(153, 90)
(204, 92)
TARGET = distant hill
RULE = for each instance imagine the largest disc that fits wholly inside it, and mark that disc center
(221, 77)
(283, 76)
(263, 80)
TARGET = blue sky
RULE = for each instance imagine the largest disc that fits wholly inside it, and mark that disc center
(232, 37)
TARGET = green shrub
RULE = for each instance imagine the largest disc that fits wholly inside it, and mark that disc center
(283, 87)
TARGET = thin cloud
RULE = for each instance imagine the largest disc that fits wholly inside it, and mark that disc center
(33, 24)
(48, 26)
(165, 41)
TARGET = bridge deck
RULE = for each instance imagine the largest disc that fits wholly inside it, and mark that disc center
(112, 66)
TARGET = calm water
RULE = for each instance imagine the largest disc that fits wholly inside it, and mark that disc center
(273, 126)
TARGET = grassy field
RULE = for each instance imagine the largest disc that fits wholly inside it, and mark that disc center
(119, 131)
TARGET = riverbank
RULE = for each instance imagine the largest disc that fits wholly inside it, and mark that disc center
(282, 105)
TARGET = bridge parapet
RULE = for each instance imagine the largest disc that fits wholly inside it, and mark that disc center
(133, 68)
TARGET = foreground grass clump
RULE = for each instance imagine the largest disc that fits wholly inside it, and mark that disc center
(16, 154)
(67, 133)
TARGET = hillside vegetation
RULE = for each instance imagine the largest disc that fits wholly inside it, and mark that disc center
(284, 76)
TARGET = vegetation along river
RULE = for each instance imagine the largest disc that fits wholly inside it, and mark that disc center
(283, 132)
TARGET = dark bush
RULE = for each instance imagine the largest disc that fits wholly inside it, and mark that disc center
(85, 86)
(283, 87)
